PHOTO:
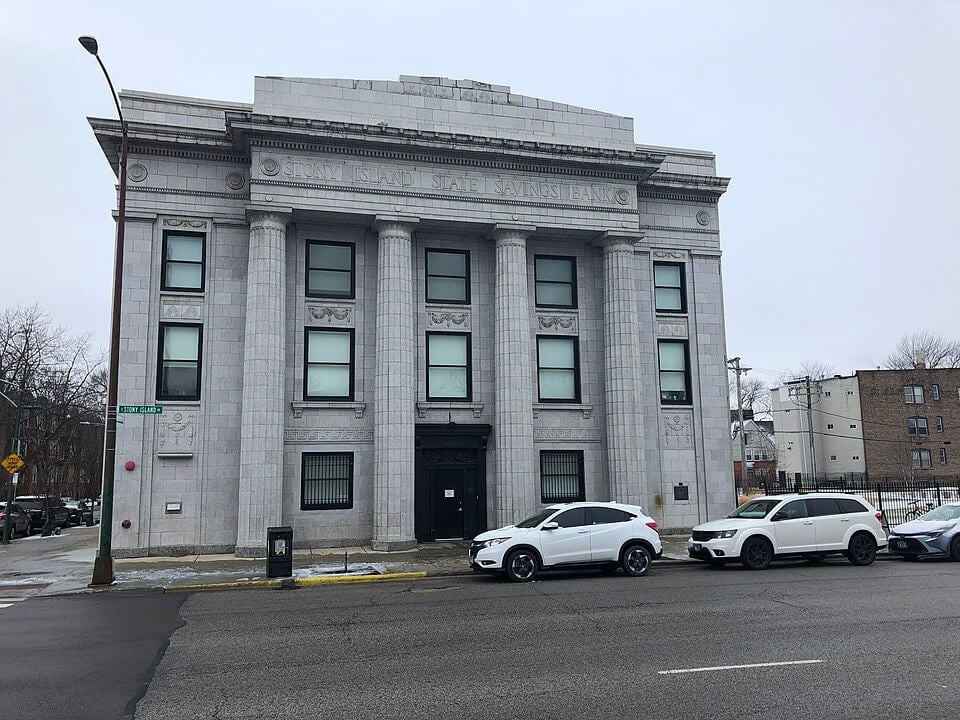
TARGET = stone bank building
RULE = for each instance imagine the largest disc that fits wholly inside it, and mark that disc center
(397, 312)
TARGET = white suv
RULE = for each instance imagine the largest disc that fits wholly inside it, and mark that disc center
(571, 535)
(812, 525)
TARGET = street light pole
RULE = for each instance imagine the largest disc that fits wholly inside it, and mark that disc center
(12, 487)
(103, 564)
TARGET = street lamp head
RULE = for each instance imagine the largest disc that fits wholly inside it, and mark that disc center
(89, 44)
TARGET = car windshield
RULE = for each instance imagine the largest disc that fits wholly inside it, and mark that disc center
(755, 509)
(943, 513)
(535, 520)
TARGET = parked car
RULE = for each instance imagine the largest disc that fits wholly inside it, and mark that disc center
(19, 520)
(810, 525)
(933, 534)
(37, 506)
(572, 535)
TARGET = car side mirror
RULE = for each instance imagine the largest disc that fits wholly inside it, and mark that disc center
(781, 515)
(549, 526)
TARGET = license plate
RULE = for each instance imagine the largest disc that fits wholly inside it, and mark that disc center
(901, 545)
(696, 547)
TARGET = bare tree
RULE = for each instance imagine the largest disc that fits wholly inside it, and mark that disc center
(62, 381)
(756, 395)
(816, 369)
(926, 347)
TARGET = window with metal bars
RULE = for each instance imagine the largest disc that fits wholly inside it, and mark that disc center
(326, 481)
(561, 476)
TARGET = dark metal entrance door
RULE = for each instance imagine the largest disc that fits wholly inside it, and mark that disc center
(446, 491)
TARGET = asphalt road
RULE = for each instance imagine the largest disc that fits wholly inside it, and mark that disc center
(886, 638)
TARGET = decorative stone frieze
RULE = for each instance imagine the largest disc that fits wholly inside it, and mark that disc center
(675, 328)
(184, 223)
(678, 430)
(562, 324)
(292, 436)
(176, 432)
(587, 435)
(331, 315)
(448, 319)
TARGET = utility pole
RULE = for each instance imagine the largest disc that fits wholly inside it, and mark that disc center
(813, 452)
(734, 364)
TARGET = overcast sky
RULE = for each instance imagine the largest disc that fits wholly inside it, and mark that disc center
(837, 122)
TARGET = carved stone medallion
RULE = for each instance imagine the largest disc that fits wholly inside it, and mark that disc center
(137, 173)
(678, 430)
(176, 432)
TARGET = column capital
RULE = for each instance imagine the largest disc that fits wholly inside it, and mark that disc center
(504, 233)
(261, 213)
(618, 239)
(405, 223)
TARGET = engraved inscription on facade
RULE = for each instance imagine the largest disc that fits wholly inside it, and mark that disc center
(467, 184)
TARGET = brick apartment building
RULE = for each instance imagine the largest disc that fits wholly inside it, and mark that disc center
(911, 422)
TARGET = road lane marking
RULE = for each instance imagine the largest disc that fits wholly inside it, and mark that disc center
(738, 667)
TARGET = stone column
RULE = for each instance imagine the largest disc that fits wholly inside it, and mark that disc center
(264, 361)
(516, 490)
(395, 389)
(625, 466)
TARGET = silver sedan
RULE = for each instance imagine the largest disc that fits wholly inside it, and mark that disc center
(934, 534)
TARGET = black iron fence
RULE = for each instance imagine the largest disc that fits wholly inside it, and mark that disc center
(899, 499)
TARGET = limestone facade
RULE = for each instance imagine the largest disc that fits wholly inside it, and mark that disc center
(411, 310)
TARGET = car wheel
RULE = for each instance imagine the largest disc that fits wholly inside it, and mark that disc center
(636, 560)
(955, 549)
(521, 565)
(816, 559)
(757, 554)
(862, 549)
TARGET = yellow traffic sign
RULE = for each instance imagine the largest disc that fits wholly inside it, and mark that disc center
(12, 463)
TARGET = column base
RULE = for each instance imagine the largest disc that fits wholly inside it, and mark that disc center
(393, 545)
(102, 571)
(255, 551)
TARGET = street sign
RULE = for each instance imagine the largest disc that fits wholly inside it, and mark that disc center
(12, 463)
(140, 409)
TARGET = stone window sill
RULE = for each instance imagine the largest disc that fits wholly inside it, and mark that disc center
(423, 406)
(587, 410)
(299, 406)
(175, 455)
(179, 404)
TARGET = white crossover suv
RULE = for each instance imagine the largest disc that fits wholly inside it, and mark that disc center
(608, 535)
(811, 525)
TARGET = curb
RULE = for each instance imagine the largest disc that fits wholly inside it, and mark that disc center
(297, 582)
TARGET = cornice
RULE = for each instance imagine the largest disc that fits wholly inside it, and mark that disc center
(679, 186)
(194, 193)
(441, 148)
(663, 228)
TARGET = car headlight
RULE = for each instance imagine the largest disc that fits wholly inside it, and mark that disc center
(726, 533)
(934, 535)
(493, 541)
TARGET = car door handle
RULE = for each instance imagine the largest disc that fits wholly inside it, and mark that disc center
(844, 519)
(582, 532)
(809, 522)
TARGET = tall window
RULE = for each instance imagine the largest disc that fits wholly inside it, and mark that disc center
(326, 481)
(183, 259)
(556, 281)
(935, 391)
(448, 366)
(558, 369)
(674, 372)
(669, 287)
(561, 476)
(920, 459)
(913, 394)
(917, 426)
(448, 276)
(943, 456)
(329, 364)
(178, 376)
(330, 269)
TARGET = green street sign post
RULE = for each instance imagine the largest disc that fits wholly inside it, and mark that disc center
(140, 409)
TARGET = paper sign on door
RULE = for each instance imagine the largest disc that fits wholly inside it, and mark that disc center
(448, 493)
